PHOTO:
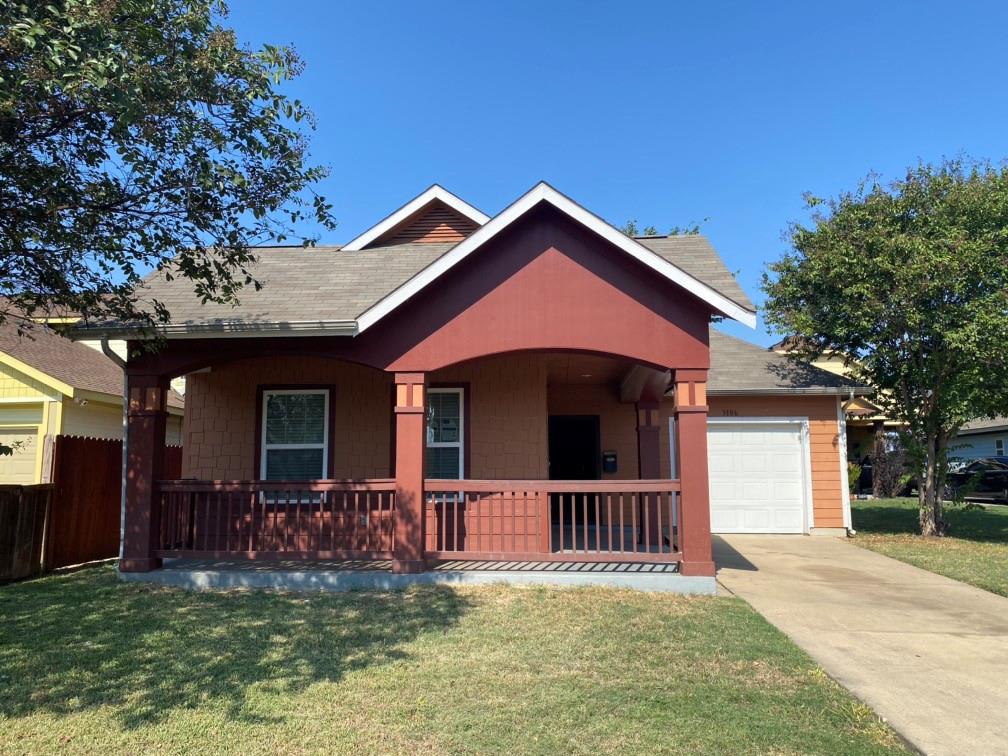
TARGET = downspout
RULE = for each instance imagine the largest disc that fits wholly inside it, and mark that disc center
(107, 351)
(842, 427)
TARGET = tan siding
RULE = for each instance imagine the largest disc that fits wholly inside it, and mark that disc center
(219, 426)
(437, 224)
(824, 443)
(507, 415)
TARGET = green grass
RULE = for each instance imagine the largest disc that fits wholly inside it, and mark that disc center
(975, 551)
(90, 664)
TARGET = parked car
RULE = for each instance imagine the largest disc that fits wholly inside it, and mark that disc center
(984, 479)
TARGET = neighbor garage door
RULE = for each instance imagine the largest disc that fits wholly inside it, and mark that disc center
(757, 477)
(20, 466)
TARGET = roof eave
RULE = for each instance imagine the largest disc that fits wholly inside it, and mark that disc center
(801, 391)
(228, 330)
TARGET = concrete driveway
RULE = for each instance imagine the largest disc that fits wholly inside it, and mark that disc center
(927, 653)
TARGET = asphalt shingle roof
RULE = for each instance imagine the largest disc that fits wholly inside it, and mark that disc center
(696, 256)
(71, 363)
(326, 284)
(302, 285)
(738, 366)
(985, 425)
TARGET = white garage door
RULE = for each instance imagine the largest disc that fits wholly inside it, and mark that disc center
(20, 466)
(757, 477)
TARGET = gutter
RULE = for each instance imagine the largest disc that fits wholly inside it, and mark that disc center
(225, 330)
(107, 351)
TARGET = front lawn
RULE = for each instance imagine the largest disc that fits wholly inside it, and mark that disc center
(975, 551)
(89, 664)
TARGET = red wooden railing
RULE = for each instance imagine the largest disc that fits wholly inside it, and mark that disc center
(550, 520)
(320, 519)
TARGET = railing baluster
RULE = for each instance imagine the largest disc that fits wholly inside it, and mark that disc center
(661, 533)
(563, 536)
(633, 517)
(525, 527)
(455, 520)
(646, 513)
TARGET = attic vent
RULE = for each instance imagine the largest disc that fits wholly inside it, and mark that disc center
(435, 224)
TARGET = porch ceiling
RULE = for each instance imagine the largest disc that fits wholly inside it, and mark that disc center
(585, 369)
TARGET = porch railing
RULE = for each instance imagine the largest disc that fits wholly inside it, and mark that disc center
(553, 521)
(320, 519)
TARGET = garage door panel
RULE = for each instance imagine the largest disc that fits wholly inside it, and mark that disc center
(757, 478)
(18, 467)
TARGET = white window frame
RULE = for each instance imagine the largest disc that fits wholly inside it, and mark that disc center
(460, 444)
(265, 447)
(999, 446)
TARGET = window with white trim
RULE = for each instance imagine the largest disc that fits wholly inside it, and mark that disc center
(295, 435)
(999, 447)
(445, 434)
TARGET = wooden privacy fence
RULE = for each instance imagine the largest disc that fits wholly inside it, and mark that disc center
(23, 511)
(80, 514)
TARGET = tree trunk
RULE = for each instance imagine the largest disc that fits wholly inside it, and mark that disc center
(930, 494)
(879, 461)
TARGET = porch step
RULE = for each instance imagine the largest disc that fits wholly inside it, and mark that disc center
(370, 575)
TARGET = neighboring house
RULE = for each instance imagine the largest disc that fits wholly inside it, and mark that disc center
(49, 386)
(865, 419)
(981, 438)
(532, 386)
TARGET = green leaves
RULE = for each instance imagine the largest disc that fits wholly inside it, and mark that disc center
(909, 283)
(139, 134)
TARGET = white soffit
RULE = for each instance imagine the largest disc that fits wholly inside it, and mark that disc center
(541, 192)
(417, 203)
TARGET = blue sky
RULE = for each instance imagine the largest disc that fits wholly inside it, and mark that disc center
(666, 112)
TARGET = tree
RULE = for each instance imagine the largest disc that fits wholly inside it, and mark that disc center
(909, 283)
(630, 229)
(139, 135)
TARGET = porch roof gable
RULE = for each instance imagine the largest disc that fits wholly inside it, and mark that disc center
(543, 192)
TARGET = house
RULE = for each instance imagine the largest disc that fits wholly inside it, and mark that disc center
(981, 438)
(533, 387)
(866, 421)
(50, 386)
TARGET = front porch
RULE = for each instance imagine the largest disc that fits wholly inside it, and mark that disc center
(501, 413)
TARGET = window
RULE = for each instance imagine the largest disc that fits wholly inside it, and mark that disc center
(999, 447)
(445, 434)
(295, 435)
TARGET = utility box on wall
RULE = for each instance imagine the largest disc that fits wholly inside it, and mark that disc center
(609, 463)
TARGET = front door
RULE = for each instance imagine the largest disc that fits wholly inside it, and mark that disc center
(574, 454)
(574, 447)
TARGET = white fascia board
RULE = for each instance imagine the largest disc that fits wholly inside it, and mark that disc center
(417, 203)
(543, 192)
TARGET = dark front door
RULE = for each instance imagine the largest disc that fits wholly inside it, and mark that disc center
(574, 454)
(574, 448)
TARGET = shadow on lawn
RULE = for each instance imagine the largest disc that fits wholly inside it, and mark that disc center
(83, 640)
(900, 517)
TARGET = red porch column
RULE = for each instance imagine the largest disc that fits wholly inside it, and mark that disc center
(648, 468)
(691, 436)
(145, 451)
(410, 445)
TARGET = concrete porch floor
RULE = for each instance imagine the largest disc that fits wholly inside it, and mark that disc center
(291, 575)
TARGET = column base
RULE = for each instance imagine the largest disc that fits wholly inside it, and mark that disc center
(408, 566)
(139, 564)
(697, 569)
